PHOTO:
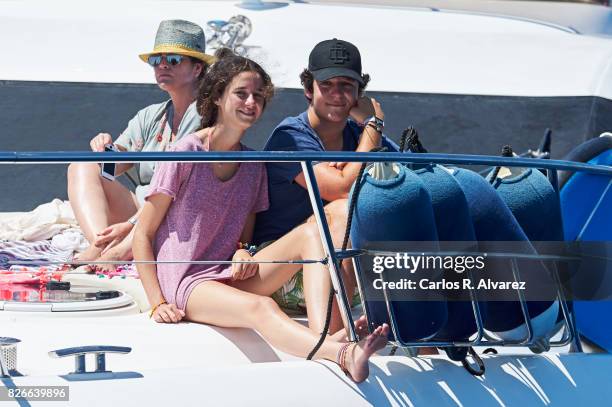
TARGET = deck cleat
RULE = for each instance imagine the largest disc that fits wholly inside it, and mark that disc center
(100, 373)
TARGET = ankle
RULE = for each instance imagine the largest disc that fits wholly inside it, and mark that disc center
(341, 358)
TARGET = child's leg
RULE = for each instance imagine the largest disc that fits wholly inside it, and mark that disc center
(318, 285)
(301, 243)
(304, 242)
(218, 304)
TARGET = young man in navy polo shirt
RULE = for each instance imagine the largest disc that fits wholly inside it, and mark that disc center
(338, 118)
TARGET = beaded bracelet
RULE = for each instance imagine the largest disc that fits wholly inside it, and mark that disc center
(156, 307)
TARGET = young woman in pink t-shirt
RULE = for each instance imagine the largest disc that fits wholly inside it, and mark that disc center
(200, 212)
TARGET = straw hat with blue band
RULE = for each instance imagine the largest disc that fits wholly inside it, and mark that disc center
(180, 37)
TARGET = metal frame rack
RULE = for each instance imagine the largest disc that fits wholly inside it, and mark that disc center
(332, 256)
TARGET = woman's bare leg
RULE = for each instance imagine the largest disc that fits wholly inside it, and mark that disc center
(218, 304)
(97, 202)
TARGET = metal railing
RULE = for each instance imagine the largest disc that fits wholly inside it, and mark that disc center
(332, 256)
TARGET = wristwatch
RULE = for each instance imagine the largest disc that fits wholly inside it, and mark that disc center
(376, 123)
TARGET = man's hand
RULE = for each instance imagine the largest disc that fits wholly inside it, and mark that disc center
(112, 235)
(366, 108)
(243, 271)
(97, 143)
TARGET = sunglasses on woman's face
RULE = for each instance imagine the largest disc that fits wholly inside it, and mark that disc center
(171, 59)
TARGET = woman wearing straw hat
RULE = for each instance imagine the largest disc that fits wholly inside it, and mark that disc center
(106, 210)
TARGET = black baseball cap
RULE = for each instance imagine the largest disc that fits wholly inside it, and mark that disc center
(331, 58)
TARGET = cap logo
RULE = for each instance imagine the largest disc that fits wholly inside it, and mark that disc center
(338, 54)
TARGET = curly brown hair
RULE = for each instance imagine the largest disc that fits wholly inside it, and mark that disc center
(307, 81)
(219, 75)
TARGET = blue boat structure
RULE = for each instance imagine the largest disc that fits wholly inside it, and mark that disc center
(585, 204)
(458, 82)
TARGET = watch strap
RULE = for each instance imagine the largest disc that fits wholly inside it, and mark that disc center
(376, 123)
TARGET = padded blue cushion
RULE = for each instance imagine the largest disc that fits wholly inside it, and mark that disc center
(491, 218)
(494, 222)
(453, 224)
(450, 207)
(396, 210)
(534, 203)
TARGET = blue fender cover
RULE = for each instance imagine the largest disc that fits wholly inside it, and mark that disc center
(456, 233)
(396, 210)
(493, 223)
(535, 205)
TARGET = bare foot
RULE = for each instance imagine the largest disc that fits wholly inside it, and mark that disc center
(90, 254)
(358, 355)
(361, 329)
(361, 326)
(116, 254)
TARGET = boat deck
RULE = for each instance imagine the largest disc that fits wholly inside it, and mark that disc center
(195, 363)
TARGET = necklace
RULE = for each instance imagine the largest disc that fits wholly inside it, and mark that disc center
(160, 134)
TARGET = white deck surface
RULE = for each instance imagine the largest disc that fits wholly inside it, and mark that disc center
(406, 49)
(193, 364)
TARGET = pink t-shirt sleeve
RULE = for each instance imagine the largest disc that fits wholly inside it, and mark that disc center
(168, 178)
(261, 199)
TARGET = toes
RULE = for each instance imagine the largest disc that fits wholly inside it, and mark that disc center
(361, 325)
(373, 337)
(378, 339)
(92, 268)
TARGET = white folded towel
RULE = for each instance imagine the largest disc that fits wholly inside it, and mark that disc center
(44, 222)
